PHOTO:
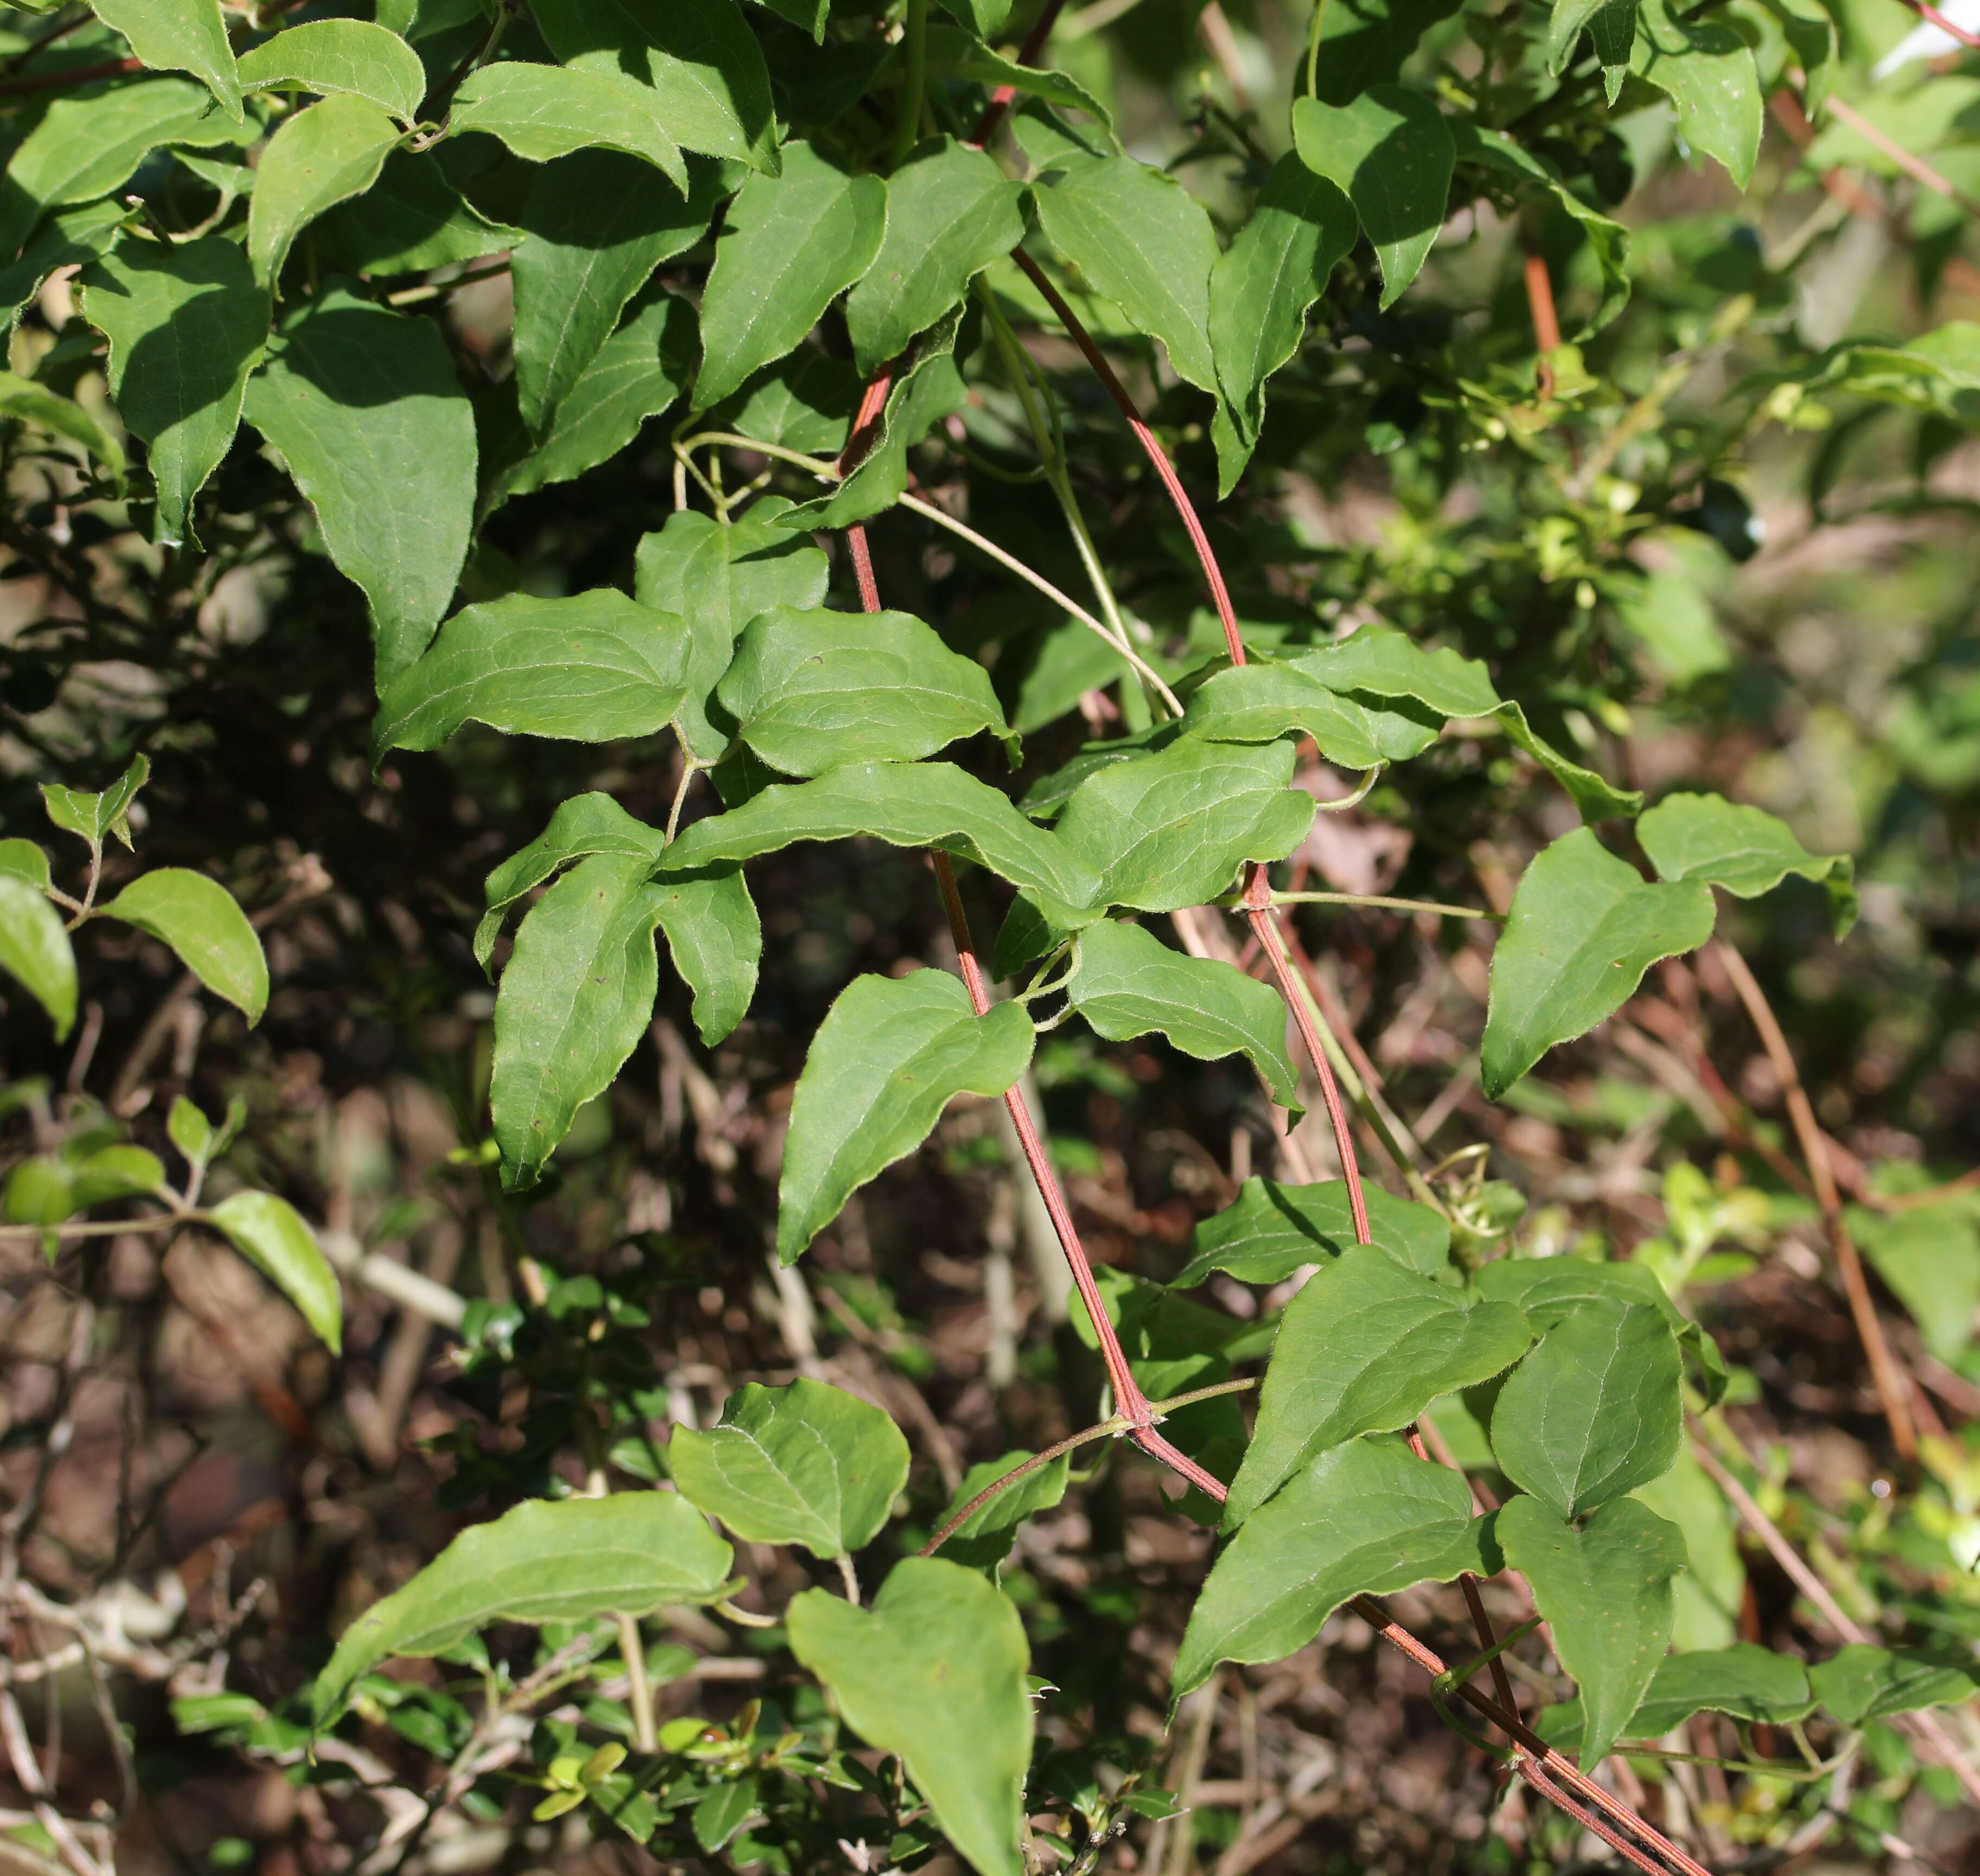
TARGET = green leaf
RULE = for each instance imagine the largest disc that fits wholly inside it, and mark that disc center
(952, 53)
(1860, 1682)
(636, 374)
(1390, 151)
(1595, 1411)
(583, 825)
(1300, 228)
(543, 111)
(1364, 1349)
(1260, 702)
(717, 942)
(269, 1233)
(889, 1057)
(186, 324)
(23, 400)
(905, 804)
(180, 35)
(1128, 982)
(804, 1463)
(47, 1188)
(1707, 69)
(597, 229)
(718, 579)
(318, 158)
(703, 61)
(1606, 1592)
(1583, 928)
(592, 668)
(934, 1671)
(1270, 1231)
(198, 918)
(950, 213)
(1170, 829)
(1929, 1254)
(790, 243)
(91, 817)
(1365, 42)
(73, 238)
(1745, 849)
(35, 950)
(724, 1811)
(573, 1003)
(1359, 1519)
(1753, 1684)
(1608, 239)
(926, 392)
(366, 410)
(86, 147)
(810, 691)
(411, 219)
(563, 1560)
(985, 1538)
(340, 58)
(23, 860)
(1142, 242)
(985, 18)
(1709, 1591)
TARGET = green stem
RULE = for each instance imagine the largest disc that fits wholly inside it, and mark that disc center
(639, 1690)
(914, 82)
(1313, 50)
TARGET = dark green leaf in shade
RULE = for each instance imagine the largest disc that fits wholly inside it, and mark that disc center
(349, 57)
(934, 1671)
(590, 668)
(957, 54)
(1583, 928)
(1860, 1682)
(950, 213)
(905, 804)
(572, 1004)
(597, 229)
(186, 324)
(1260, 702)
(718, 579)
(1359, 1519)
(702, 61)
(890, 1055)
(180, 35)
(1606, 1592)
(1707, 69)
(1753, 1684)
(363, 404)
(411, 219)
(810, 691)
(1364, 1349)
(1271, 1230)
(802, 1464)
(1595, 1411)
(568, 1560)
(73, 238)
(985, 1538)
(1389, 151)
(199, 918)
(1300, 228)
(35, 952)
(1745, 849)
(545, 111)
(316, 159)
(636, 374)
(86, 147)
(1142, 242)
(1170, 829)
(269, 1233)
(1128, 982)
(1365, 42)
(790, 244)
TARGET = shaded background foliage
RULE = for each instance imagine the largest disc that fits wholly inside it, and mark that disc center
(172, 1433)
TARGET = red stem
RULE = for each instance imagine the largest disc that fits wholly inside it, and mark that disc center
(1939, 19)
(1027, 53)
(61, 80)
(1151, 447)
